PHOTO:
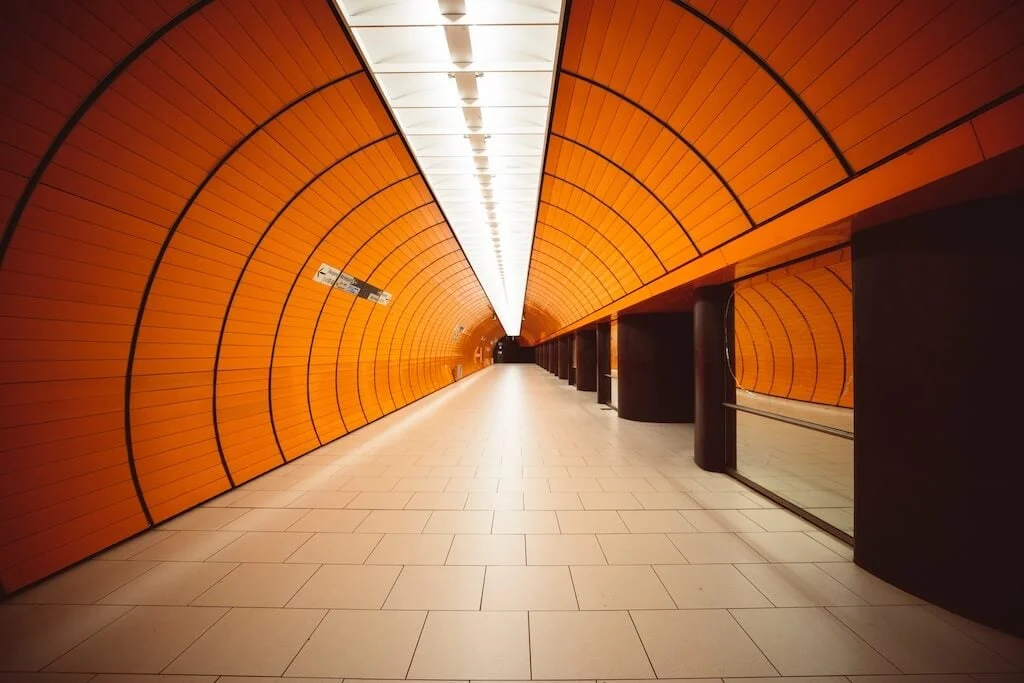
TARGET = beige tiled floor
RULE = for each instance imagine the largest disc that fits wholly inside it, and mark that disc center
(503, 529)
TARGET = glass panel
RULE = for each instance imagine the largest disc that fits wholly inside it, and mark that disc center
(792, 358)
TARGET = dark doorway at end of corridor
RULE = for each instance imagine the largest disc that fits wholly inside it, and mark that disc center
(508, 350)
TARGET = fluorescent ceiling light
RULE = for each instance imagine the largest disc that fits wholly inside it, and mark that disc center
(470, 84)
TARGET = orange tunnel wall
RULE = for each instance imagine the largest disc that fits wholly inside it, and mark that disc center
(794, 331)
(173, 176)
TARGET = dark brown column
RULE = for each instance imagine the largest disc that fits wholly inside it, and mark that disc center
(553, 357)
(938, 470)
(656, 367)
(571, 341)
(563, 358)
(604, 363)
(586, 360)
(714, 426)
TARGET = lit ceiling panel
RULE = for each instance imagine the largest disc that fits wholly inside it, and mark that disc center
(469, 82)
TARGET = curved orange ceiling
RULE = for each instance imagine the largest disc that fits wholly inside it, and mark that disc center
(679, 127)
(174, 174)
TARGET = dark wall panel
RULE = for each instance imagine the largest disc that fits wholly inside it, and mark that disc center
(938, 466)
(656, 367)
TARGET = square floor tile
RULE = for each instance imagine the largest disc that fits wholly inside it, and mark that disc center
(366, 483)
(411, 549)
(1009, 647)
(708, 586)
(714, 521)
(619, 587)
(639, 549)
(262, 546)
(868, 586)
(591, 522)
(487, 549)
(145, 640)
(395, 522)
(380, 500)
(265, 519)
(258, 585)
(525, 522)
(34, 638)
(249, 642)
(437, 588)
(508, 500)
(131, 547)
(655, 522)
(620, 484)
(170, 583)
(529, 588)
(353, 644)
(574, 485)
(265, 499)
(724, 500)
(714, 549)
(473, 645)
(335, 521)
(459, 522)
(324, 500)
(609, 501)
(699, 643)
(778, 520)
(421, 484)
(437, 501)
(327, 548)
(552, 501)
(666, 500)
(516, 484)
(810, 642)
(789, 546)
(85, 583)
(586, 645)
(461, 484)
(919, 642)
(563, 549)
(347, 587)
(203, 519)
(189, 546)
(798, 585)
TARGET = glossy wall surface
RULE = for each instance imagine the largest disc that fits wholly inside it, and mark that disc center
(687, 136)
(794, 331)
(173, 176)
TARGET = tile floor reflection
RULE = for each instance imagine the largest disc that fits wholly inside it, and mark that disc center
(505, 528)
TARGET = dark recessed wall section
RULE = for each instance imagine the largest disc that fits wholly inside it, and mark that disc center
(508, 350)
(656, 367)
(938, 465)
(586, 360)
(714, 429)
(571, 341)
(604, 363)
(563, 358)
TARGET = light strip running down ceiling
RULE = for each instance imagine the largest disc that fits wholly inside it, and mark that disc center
(469, 82)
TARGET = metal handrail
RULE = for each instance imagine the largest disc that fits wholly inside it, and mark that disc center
(842, 434)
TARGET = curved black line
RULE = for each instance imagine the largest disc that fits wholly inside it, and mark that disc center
(69, 125)
(839, 332)
(779, 80)
(841, 280)
(590, 251)
(785, 331)
(405, 331)
(556, 281)
(596, 231)
(376, 347)
(664, 124)
(169, 237)
(613, 210)
(590, 272)
(814, 341)
(636, 180)
(431, 345)
(333, 7)
(323, 306)
(288, 297)
(248, 260)
(362, 335)
(556, 312)
(768, 336)
(753, 345)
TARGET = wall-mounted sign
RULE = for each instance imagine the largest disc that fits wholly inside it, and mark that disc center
(332, 277)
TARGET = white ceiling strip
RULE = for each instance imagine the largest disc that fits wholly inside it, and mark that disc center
(469, 82)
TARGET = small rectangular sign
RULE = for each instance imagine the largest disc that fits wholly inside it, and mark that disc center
(332, 277)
